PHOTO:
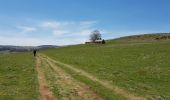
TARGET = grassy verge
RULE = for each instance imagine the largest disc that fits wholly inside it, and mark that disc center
(18, 77)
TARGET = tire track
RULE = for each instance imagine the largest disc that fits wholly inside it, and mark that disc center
(45, 93)
(76, 90)
(109, 86)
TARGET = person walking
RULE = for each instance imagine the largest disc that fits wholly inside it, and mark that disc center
(34, 52)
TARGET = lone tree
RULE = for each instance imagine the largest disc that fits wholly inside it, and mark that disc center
(95, 35)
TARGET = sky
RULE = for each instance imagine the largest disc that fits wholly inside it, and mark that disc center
(65, 22)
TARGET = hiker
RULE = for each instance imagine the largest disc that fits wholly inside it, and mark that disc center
(34, 52)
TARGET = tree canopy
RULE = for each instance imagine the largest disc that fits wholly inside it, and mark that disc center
(95, 35)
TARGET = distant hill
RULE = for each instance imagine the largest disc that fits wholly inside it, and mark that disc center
(10, 48)
(151, 37)
(46, 46)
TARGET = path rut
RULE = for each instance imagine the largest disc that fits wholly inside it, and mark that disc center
(106, 84)
(45, 93)
(75, 90)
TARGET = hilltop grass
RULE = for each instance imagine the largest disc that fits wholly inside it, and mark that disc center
(18, 77)
(139, 67)
(144, 37)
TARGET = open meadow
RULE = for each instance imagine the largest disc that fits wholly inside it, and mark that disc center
(121, 69)
(18, 77)
(84, 49)
(141, 68)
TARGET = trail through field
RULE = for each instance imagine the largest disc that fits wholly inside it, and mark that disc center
(106, 84)
(68, 87)
(45, 93)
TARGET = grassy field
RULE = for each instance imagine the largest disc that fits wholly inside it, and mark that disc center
(18, 77)
(70, 85)
(125, 68)
(142, 68)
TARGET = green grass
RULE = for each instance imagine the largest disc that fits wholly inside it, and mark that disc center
(18, 77)
(142, 68)
(148, 37)
(98, 88)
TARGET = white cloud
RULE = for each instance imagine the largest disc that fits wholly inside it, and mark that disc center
(49, 32)
(26, 29)
(87, 24)
(59, 28)
(86, 32)
(51, 25)
(20, 41)
(25, 41)
(60, 32)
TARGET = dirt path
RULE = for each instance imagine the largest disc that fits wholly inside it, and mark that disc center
(45, 93)
(106, 84)
(74, 89)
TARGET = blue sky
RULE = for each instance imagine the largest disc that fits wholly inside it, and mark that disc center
(63, 22)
